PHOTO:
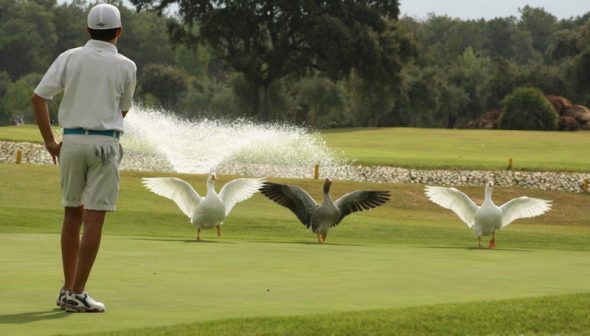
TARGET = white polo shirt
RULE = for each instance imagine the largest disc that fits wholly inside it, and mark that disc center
(98, 84)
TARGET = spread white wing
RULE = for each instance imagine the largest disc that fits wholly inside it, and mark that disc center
(175, 189)
(455, 200)
(239, 190)
(523, 207)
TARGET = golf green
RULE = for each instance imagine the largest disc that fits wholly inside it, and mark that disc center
(151, 281)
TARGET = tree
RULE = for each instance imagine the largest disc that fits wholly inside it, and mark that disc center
(584, 36)
(579, 76)
(504, 77)
(267, 40)
(527, 109)
(540, 24)
(523, 50)
(499, 32)
(69, 20)
(563, 45)
(421, 97)
(17, 99)
(164, 82)
(371, 103)
(467, 89)
(447, 38)
(195, 103)
(547, 78)
(145, 39)
(5, 115)
(193, 60)
(322, 103)
(437, 36)
(223, 105)
(505, 40)
(28, 36)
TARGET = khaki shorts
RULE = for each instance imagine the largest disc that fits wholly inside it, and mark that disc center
(89, 169)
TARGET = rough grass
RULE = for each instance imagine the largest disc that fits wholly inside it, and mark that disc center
(553, 315)
(31, 204)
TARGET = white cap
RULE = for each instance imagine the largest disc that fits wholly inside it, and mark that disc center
(104, 16)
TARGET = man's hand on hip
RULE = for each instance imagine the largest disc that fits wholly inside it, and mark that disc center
(53, 148)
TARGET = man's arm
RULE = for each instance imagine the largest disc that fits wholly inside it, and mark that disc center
(42, 117)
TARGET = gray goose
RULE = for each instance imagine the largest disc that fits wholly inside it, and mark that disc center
(321, 217)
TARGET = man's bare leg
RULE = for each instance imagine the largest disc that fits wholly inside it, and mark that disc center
(70, 242)
(89, 244)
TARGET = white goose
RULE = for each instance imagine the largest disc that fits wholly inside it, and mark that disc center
(487, 218)
(209, 211)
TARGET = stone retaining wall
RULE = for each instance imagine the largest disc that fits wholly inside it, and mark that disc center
(572, 182)
(36, 154)
(538, 180)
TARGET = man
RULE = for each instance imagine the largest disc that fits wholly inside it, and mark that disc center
(98, 85)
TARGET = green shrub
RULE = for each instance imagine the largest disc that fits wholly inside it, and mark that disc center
(321, 103)
(166, 83)
(527, 109)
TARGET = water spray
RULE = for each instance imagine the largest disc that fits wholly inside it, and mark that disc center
(159, 141)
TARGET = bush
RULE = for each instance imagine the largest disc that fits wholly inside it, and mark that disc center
(223, 106)
(166, 83)
(17, 100)
(527, 109)
(321, 103)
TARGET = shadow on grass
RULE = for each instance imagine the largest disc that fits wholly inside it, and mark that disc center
(307, 242)
(203, 241)
(29, 317)
(190, 241)
(471, 248)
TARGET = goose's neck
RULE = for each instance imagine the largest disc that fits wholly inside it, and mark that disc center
(327, 197)
(210, 187)
(488, 195)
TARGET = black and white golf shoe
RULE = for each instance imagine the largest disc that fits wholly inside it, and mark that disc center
(61, 299)
(83, 303)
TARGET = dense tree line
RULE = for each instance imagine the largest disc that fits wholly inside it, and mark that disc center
(315, 63)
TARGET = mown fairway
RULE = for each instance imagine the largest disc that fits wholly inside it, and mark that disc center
(150, 282)
(464, 149)
(400, 259)
(438, 148)
(28, 133)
